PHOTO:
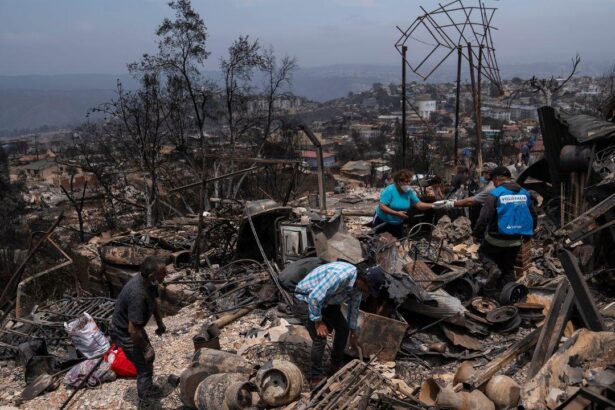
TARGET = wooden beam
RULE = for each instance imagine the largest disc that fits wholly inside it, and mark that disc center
(549, 330)
(584, 301)
(503, 359)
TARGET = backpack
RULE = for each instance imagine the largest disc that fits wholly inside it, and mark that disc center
(513, 210)
(294, 273)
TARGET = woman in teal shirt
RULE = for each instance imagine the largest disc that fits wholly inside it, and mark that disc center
(395, 201)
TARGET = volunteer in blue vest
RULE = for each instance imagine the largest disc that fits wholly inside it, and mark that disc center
(395, 202)
(318, 300)
(507, 217)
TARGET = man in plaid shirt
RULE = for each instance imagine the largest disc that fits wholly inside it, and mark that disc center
(318, 298)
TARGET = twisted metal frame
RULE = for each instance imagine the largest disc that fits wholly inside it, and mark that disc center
(453, 26)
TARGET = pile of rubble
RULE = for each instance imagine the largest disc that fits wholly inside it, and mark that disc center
(431, 338)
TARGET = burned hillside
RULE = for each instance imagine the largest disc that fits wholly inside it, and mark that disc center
(431, 338)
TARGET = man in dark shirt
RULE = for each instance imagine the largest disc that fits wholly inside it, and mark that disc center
(461, 178)
(133, 309)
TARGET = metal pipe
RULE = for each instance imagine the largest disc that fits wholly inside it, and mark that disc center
(321, 167)
(231, 174)
(473, 82)
(82, 383)
(270, 269)
(479, 130)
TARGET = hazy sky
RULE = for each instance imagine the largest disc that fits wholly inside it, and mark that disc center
(101, 36)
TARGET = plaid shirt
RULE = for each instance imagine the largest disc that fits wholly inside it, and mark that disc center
(331, 284)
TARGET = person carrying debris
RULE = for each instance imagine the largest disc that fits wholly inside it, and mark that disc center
(507, 217)
(133, 309)
(395, 202)
(318, 300)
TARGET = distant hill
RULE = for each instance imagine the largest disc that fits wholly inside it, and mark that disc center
(31, 101)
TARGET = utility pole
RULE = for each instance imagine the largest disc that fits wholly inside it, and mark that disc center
(404, 49)
(474, 103)
(479, 127)
(459, 54)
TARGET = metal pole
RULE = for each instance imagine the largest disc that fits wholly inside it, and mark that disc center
(205, 181)
(82, 383)
(459, 55)
(404, 49)
(471, 61)
(479, 127)
(321, 167)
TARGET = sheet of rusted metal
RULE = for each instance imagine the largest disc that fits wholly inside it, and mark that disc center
(380, 335)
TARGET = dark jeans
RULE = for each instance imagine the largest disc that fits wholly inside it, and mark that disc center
(334, 319)
(145, 370)
(474, 213)
(395, 230)
(499, 263)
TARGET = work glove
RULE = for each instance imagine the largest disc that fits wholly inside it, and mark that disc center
(445, 204)
(439, 204)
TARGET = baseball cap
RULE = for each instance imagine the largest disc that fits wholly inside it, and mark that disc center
(501, 172)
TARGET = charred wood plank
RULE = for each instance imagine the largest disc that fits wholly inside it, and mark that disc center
(587, 223)
(503, 359)
(560, 325)
(584, 302)
(553, 327)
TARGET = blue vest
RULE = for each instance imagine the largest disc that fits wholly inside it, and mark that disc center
(513, 208)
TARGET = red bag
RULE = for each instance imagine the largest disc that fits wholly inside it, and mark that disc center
(120, 363)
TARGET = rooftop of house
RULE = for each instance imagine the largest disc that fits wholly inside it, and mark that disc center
(37, 165)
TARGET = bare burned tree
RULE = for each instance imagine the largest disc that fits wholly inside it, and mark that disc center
(182, 53)
(12, 207)
(238, 68)
(277, 76)
(77, 203)
(548, 88)
(137, 132)
(94, 152)
(606, 104)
